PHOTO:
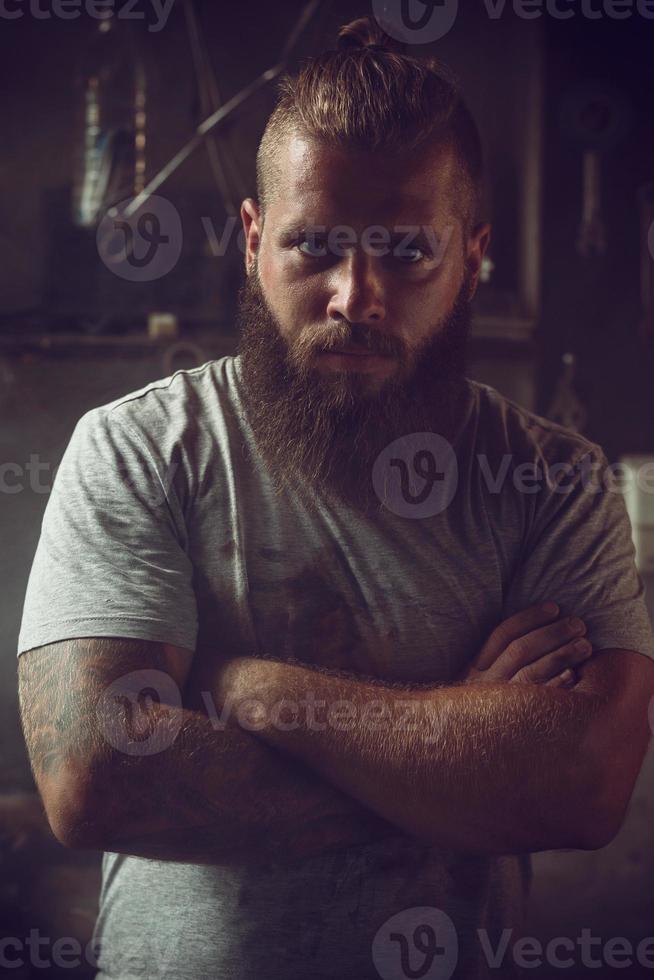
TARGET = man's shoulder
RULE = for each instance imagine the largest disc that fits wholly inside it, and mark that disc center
(506, 427)
(177, 421)
(173, 404)
(184, 391)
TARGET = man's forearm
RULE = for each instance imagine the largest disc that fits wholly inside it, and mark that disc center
(484, 768)
(117, 770)
(220, 797)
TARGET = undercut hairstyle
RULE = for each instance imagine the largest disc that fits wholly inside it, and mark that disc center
(369, 94)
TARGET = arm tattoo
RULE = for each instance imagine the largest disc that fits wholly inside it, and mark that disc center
(209, 796)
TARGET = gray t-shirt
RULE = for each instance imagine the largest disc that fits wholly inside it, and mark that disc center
(163, 525)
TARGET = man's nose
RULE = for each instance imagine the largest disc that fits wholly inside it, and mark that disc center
(358, 293)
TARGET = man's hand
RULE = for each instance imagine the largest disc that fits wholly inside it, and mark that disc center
(529, 648)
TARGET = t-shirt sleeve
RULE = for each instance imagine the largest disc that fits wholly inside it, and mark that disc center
(579, 552)
(111, 558)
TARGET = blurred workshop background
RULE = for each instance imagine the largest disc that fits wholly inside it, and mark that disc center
(564, 320)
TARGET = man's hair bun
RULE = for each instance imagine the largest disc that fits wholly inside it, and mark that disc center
(366, 32)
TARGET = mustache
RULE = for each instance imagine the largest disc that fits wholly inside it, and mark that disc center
(332, 336)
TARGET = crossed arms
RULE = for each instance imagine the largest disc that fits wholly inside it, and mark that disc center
(486, 768)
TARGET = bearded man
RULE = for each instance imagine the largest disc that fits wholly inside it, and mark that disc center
(315, 648)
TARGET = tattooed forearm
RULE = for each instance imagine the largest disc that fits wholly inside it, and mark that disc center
(58, 688)
(210, 795)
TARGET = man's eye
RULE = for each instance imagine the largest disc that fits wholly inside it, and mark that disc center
(316, 247)
(410, 256)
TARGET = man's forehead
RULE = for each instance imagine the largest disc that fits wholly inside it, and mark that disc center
(322, 181)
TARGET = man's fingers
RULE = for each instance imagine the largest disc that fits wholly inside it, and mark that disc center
(535, 646)
(512, 629)
(567, 678)
(550, 667)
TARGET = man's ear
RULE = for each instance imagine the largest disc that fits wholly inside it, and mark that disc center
(252, 228)
(476, 249)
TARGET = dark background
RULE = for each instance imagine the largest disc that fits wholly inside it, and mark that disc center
(71, 335)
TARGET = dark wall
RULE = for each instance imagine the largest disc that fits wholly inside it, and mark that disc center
(592, 307)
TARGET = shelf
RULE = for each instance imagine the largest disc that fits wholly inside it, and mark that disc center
(485, 329)
(45, 343)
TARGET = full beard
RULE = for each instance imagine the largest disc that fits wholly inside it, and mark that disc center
(320, 434)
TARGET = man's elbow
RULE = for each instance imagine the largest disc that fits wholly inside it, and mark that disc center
(603, 805)
(619, 684)
(591, 834)
(77, 834)
(587, 824)
(600, 832)
(604, 822)
(562, 836)
(608, 803)
(69, 817)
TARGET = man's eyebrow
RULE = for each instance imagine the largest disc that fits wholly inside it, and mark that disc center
(426, 235)
(396, 234)
(297, 228)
